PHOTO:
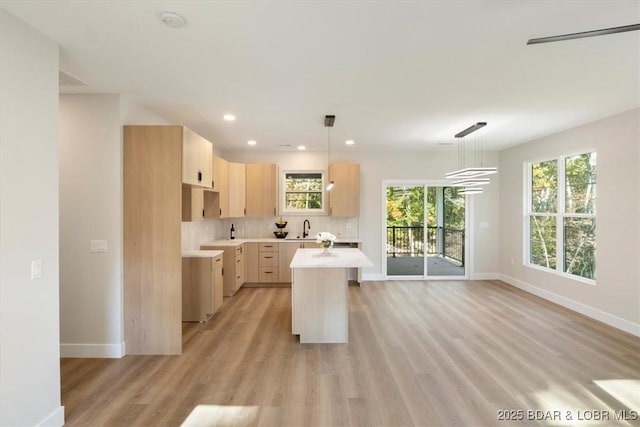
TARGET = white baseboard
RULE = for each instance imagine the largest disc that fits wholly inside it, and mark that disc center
(485, 276)
(604, 317)
(109, 351)
(54, 419)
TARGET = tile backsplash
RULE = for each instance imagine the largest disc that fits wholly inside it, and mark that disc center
(198, 232)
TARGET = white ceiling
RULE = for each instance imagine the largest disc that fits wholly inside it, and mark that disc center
(397, 75)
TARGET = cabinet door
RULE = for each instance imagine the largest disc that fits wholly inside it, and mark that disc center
(221, 185)
(286, 252)
(251, 262)
(192, 203)
(261, 196)
(237, 189)
(239, 273)
(197, 289)
(196, 159)
(217, 278)
(344, 198)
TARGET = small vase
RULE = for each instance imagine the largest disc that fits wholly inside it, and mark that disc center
(327, 247)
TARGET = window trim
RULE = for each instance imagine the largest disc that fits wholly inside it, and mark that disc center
(559, 215)
(283, 193)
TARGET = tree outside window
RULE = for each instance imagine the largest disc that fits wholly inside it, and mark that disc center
(562, 223)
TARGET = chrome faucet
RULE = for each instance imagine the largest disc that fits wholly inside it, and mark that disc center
(305, 230)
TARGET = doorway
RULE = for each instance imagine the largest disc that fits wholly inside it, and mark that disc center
(425, 231)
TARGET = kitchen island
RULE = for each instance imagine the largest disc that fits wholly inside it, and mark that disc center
(319, 293)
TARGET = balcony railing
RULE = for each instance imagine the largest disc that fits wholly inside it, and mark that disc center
(409, 241)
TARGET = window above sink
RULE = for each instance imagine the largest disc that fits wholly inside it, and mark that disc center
(303, 192)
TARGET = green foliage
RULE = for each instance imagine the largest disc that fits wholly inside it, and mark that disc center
(405, 206)
(578, 234)
(303, 191)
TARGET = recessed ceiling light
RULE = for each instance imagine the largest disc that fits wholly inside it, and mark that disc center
(251, 142)
(172, 19)
(229, 117)
(349, 142)
(301, 147)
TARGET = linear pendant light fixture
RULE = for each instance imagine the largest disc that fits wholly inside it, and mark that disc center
(328, 122)
(583, 34)
(471, 172)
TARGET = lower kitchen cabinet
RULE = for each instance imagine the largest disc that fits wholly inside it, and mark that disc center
(202, 287)
(233, 265)
(286, 252)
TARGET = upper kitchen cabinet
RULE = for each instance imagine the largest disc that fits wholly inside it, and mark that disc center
(237, 190)
(216, 202)
(227, 198)
(261, 185)
(197, 163)
(344, 198)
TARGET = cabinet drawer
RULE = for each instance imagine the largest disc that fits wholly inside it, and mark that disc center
(268, 259)
(268, 247)
(216, 262)
(238, 250)
(269, 274)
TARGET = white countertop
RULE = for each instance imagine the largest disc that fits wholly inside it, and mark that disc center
(236, 242)
(201, 254)
(339, 258)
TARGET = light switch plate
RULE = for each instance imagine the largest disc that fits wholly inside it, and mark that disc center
(98, 246)
(36, 269)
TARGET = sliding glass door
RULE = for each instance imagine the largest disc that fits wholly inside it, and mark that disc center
(425, 231)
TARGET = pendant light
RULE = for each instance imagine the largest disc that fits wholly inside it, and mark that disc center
(470, 172)
(328, 122)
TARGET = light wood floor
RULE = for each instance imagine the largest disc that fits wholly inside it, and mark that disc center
(420, 353)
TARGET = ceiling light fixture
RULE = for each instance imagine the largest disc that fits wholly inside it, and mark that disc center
(229, 117)
(349, 142)
(329, 120)
(470, 182)
(470, 190)
(470, 129)
(301, 147)
(469, 176)
(172, 19)
(583, 34)
(251, 142)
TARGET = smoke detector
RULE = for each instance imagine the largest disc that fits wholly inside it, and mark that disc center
(172, 19)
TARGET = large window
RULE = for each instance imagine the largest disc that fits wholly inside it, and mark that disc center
(303, 192)
(561, 213)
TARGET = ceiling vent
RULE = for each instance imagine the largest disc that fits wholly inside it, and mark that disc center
(66, 79)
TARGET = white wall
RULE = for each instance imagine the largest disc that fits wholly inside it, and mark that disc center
(29, 324)
(615, 297)
(90, 209)
(386, 165)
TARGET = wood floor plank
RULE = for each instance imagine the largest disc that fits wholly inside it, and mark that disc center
(423, 353)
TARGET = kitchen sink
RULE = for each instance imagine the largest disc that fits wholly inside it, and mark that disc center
(305, 239)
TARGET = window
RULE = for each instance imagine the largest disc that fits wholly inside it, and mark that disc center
(562, 214)
(303, 192)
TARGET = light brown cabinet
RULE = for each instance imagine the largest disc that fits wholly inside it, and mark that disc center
(286, 252)
(197, 163)
(237, 190)
(233, 265)
(344, 198)
(227, 198)
(152, 186)
(252, 262)
(261, 190)
(193, 203)
(268, 263)
(202, 287)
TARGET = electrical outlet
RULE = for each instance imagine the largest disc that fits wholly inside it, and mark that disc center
(36, 269)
